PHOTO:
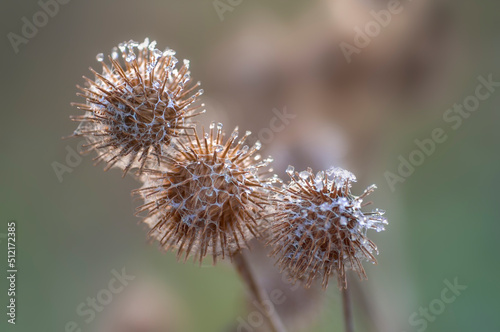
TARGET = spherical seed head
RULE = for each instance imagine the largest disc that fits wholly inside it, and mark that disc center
(319, 229)
(208, 199)
(137, 105)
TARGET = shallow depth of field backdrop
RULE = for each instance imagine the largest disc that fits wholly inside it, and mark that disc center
(277, 68)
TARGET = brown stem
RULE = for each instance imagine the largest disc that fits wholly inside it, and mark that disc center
(363, 302)
(260, 295)
(346, 304)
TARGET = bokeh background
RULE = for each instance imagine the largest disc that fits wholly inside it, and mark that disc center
(254, 59)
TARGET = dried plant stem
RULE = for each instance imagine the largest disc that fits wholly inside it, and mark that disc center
(346, 304)
(243, 268)
(363, 301)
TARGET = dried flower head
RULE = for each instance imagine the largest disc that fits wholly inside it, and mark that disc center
(318, 228)
(137, 106)
(208, 198)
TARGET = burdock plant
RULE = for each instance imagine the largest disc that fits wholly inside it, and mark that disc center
(319, 230)
(207, 199)
(137, 105)
(209, 194)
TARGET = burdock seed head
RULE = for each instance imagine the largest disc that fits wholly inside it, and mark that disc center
(137, 105)
(318, 228)
(207, 199)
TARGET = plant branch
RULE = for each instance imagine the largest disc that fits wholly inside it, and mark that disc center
(346, 304)
(260, 295)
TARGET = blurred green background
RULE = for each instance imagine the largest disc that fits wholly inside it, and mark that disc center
(443, 220)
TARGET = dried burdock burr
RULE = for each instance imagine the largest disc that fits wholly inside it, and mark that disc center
(207, 199)
(137, 106)
(318, 229)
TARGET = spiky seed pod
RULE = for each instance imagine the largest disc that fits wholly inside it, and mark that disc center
(137, 106)
(318, 228)
(208, 198)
